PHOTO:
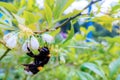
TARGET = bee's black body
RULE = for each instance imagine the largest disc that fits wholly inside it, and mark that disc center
(39, 60)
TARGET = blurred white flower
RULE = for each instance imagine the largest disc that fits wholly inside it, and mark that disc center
(77, 5)
(109, 2)
(62, 59)
(82, 20)
(12, 42)
(117, 15)
(34, 44)
(104, 43)
(40, 3)
(68, 10)
(107, 5)
(99, 14)
(25, 45)
(116, 22)
(47, 38)
(105, 9)
(94, 9)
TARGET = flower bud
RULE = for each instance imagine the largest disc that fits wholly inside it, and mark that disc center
(25, 45)
(11, 42)
(47, 38)
(34, 43)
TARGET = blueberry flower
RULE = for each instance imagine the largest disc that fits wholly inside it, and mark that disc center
(47, 38)
(34, 44)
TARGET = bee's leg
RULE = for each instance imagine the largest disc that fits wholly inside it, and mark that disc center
(30, 53)
(32, 68)
(26, 64)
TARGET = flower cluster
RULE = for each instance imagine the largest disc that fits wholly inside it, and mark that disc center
(11, 40)
(34, 44)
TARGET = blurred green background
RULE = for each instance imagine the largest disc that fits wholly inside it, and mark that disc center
(82, 50)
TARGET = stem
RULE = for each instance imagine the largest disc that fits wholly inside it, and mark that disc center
(2, 42)
(5, 53)
(68, 20)
(7, 72)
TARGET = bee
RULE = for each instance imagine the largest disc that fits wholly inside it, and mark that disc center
(39, 60)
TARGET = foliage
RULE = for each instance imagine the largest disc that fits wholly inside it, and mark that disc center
(72, 58)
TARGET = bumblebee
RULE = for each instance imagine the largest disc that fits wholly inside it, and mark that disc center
(39, 60)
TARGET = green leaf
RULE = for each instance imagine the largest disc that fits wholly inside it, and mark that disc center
(94, 68)
(54, 33)
(48, 14)
(5, 27)
(21, 10)
(30, 18)
(22, 3)
(114, 66)
(69, 14)
(105, 21)
(50, 3)
(6, 12)
(19, 19)
(69, 2)
(85, 76)
(8, 6)
(113, 40)
(70, 35)
(30, 4)
(60, 6)
(115, 8)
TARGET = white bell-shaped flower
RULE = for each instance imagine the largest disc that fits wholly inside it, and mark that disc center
(25, 45)
(34, 44)
(47, 38)
(12, 42)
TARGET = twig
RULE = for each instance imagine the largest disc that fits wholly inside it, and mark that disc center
(5, 53)
(68, 20)
(2, 42)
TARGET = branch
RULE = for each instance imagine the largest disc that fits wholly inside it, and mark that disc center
(5, 53)
(68, 20)
(2, 42)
